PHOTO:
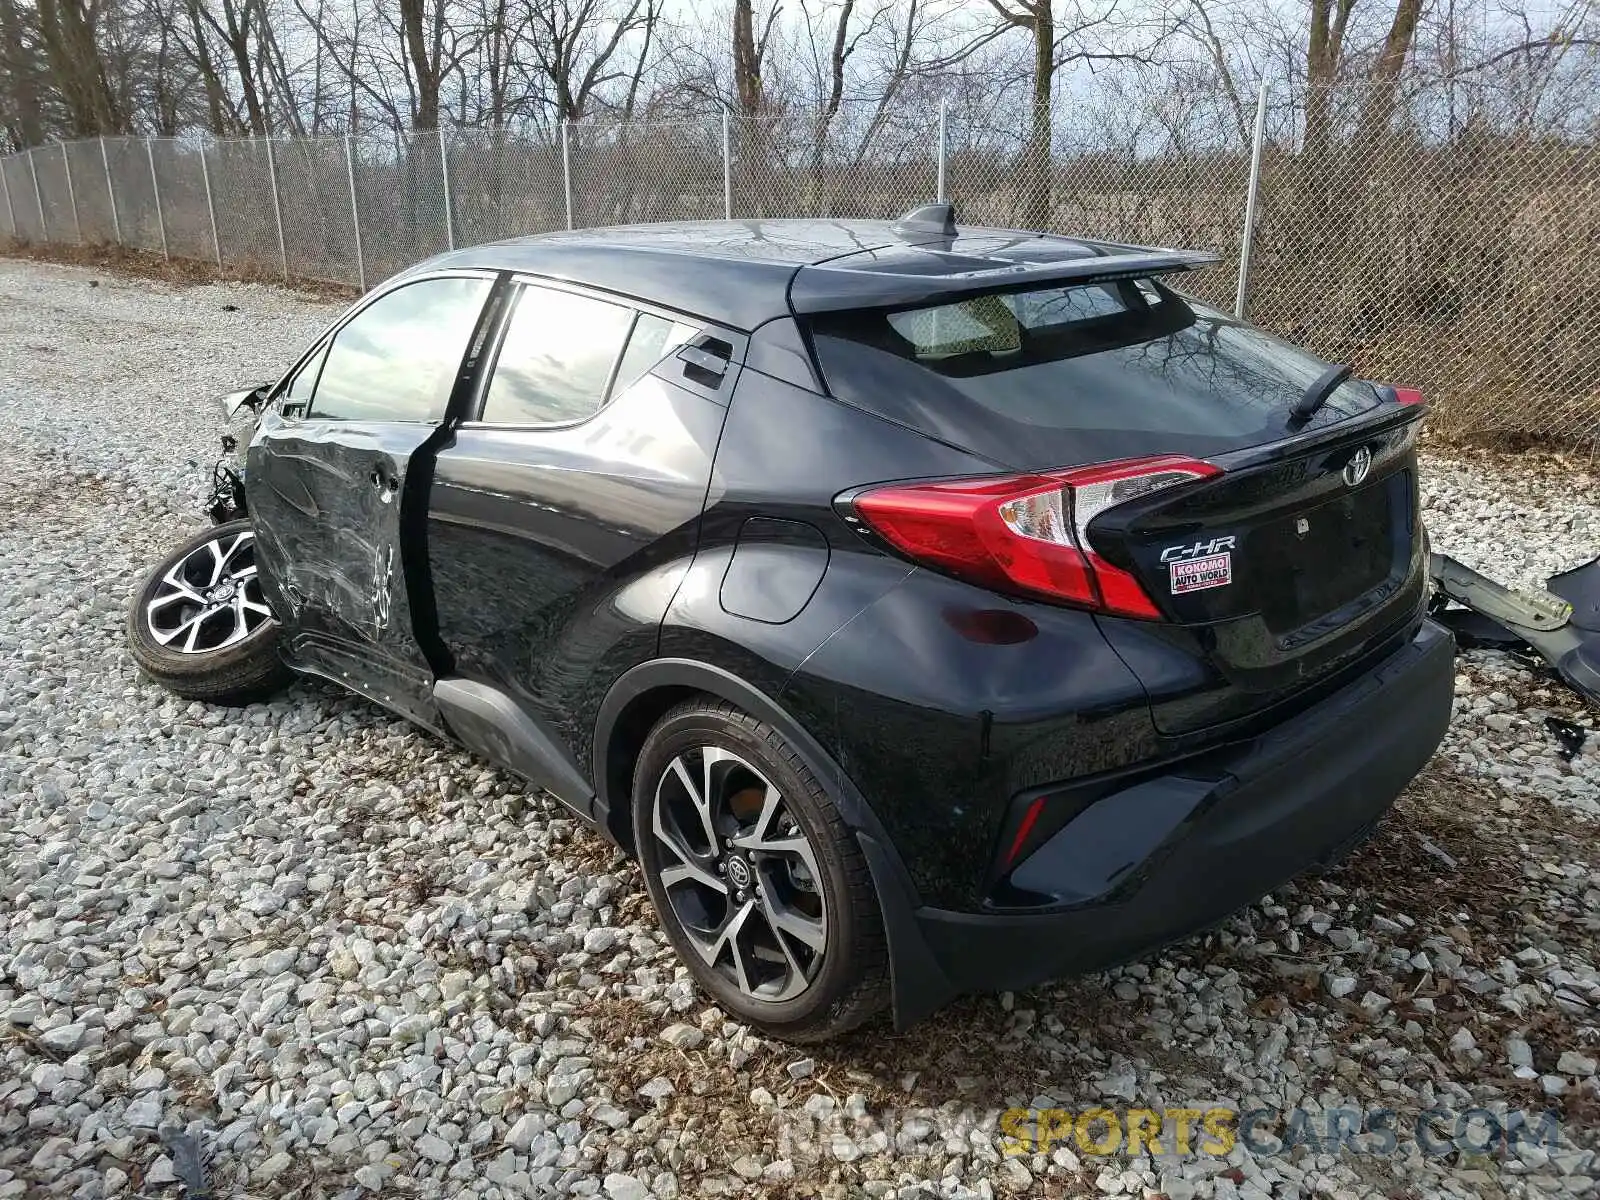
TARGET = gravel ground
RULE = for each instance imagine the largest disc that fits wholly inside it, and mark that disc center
(341, 957)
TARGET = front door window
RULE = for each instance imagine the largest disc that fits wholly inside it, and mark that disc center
(397, 359)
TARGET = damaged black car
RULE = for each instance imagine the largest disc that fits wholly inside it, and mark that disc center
(928, 608)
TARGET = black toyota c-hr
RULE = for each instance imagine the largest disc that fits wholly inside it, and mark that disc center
(928, 609)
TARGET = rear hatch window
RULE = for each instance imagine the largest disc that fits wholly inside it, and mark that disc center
(1067, 375)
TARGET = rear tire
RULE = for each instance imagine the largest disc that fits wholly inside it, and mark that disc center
(774, 913)
(199, 625)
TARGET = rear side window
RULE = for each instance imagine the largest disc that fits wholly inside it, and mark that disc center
(556, 358)
(398, 358)
(1066, 375)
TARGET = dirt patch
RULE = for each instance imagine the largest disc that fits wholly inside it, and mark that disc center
(184, 272)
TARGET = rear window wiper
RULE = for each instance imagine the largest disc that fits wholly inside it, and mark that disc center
(1317, 394)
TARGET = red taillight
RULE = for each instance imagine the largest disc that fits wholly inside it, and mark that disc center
(1027, 532)
(1404, 395)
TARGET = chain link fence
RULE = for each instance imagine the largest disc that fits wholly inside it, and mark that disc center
(1449, 245)
(1461, 260)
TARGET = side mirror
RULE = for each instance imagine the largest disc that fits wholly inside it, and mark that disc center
(251, 398)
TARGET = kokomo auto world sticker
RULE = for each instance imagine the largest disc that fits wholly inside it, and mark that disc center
(1197, 574)
(1200, 566)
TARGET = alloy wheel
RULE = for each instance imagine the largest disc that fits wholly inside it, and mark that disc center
(739, 874)
(210, 599)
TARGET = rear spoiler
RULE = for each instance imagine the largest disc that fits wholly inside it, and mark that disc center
(830, 287)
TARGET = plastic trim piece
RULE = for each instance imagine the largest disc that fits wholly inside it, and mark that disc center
(492, 723)
(1544, 620)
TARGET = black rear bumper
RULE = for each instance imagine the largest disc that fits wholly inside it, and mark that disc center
(1286, 800)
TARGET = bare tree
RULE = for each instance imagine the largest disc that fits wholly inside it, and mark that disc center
(236, 28)
(1082, 35)
(23, 83)
(750, 53)
(1198, 21)
(842, 45)
(1324, 46)
(67, 28)
(424, 45)
(1380, 91)
(223, 118)
(578, 47)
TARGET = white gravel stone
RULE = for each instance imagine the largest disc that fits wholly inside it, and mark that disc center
(1123, 1085)
(1573, 1063)
(1340, 985)
(528, 1126)
(271, 1167)
(24, 1011)
(1374, 1005)
(373, 1176)
(625, 1187)
(684, 1037)
(658, 1088)
(50, 1154)
(161, 1172)
(64, 1039)
(145, 1112)
(436, 1148)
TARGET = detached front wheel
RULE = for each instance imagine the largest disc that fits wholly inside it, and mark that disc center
(200, 626)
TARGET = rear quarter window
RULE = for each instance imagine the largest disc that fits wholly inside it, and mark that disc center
(1054, 376)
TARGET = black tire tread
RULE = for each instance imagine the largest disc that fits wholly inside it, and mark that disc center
(869, 993)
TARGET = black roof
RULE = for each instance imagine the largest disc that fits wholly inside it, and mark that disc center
(744, 273)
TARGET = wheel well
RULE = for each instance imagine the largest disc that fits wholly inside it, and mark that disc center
(633, 725)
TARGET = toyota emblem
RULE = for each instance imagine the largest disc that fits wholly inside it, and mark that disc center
(1356, 469)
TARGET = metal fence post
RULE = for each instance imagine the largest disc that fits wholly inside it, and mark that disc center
(111, 192)
(566, 166)
(1242, 296)
(277, 208)
(444, 171)
(355, 210)
(72, 194)
(5, 186)
(155, 188)
(211, 207)
(944, 108)
(38, 196)
(727, 168)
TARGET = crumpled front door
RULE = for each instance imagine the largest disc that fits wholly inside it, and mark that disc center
(331, 502)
